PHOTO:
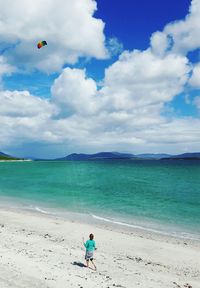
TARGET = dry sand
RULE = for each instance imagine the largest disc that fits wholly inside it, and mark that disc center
(39, 250)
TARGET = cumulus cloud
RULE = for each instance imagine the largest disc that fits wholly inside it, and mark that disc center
(114, 46)
(75, 93)
(196, 102)
(160, 43)
(180, 36)
(140, 79)
(95, 119)
(5, 68)
(23, 104)
(127, 112)
(24, 117)
(195, 78)
(68, 26)
(185, 33)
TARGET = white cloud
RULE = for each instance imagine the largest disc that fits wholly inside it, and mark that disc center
(196, 102)
(195, 78)
(5, 68)
(24, 117)
(127, 111)
(187, 99)
(68, 26)
(74, 93)
(114, 46)
(160, 43)
(181, 36)
(22, 104)
(140, 79)
(95, 121)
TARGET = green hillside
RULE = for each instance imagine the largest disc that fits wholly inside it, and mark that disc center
(8, 158)
(4, 156)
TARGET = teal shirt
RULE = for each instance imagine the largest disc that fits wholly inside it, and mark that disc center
(90, 245)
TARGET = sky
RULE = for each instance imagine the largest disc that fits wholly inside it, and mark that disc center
(115, 76)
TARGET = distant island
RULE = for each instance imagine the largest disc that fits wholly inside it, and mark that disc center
(185, 156)
(6, 157)
(124, 156)
(109, 156)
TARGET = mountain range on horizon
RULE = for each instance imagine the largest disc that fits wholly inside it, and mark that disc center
(114, 156)
(117, 155)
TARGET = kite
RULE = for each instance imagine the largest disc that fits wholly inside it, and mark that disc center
(41, 44)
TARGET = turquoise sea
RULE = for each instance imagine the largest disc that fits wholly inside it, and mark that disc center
(156, 195)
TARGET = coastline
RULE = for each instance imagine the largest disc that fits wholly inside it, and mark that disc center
(113, 222)
(42, 250)
(119, 225)
(15, 160)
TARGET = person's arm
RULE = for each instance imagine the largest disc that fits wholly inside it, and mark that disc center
(94, 245)
(85, 243)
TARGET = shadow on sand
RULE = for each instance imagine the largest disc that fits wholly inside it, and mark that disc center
(79, 264)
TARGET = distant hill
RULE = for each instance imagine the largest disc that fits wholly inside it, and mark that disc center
(4, 156)
(117, 155)
(185, 156)
(113, 156)
(153, 156)
(98, 156)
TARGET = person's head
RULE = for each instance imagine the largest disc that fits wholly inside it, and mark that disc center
(91, 236)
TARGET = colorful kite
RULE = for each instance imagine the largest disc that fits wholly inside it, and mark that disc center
(41, 44)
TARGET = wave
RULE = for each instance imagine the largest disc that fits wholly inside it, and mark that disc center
(182, 235)
(38, 209)
(170, 231)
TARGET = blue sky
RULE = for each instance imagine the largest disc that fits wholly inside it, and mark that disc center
(115, 75)
(131, 21)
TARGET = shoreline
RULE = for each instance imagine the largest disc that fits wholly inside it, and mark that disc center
(40, 250)
(15, 160)
(117, 224)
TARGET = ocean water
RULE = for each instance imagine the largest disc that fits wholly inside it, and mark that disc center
(155, 195)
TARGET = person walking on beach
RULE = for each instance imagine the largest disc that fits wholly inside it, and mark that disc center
(90, 246)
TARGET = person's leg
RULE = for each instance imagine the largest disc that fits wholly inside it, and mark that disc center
(95, 268)
(87, 263)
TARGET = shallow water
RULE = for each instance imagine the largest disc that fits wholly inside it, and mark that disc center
(154, 194)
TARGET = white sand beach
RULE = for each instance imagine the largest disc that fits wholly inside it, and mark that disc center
(39, 250)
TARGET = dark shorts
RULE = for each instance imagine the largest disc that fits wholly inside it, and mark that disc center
(89, 255)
